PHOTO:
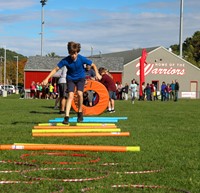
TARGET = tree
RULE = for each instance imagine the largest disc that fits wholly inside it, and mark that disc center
(11, 69)
(191, 49)
(52, 54)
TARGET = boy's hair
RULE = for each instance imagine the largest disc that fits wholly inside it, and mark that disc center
(73, 47)
(102, 70)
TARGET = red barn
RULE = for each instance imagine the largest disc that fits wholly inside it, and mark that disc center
(37, 67)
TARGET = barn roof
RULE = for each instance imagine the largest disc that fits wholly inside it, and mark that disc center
(41, 63)
(114, 62)
(111, 63)
(129, 55)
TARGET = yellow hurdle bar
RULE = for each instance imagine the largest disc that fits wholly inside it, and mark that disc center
(74, 130)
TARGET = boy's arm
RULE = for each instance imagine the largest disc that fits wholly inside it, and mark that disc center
(45, 81)
(96, 71)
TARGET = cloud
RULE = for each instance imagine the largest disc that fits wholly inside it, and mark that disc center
(171, 5)
(15, 18)
(121, 30)
(16, 4)
(107, 30)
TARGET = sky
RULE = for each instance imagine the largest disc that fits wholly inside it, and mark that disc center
(100, 26)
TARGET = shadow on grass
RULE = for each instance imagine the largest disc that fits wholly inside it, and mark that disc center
(39, 112)
(50, 113)
(47, 107)
(24, 122)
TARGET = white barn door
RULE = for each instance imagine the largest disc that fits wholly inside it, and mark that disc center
(193, 87)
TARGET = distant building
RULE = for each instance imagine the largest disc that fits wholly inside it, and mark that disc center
(162, 65)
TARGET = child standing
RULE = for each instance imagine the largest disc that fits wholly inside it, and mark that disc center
(108, 82)
(133, 89)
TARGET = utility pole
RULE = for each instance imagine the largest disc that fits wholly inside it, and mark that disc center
(43, 2)
(181, 29)
(91, 51)
(17, 90)
(1, 76)
(4, 82)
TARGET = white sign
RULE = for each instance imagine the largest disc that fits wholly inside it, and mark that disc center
(188, 95)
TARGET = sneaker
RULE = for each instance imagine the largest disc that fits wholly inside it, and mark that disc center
(80, 117)
(108, 111)
(113, 111)
(66, 120)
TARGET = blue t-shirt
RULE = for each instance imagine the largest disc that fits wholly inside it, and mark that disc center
(172, 86)
(75, 69)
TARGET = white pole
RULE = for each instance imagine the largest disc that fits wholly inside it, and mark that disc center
(181, 29)
(17, 75)
(4, 82)
(1, 77)
(42, 30)
(91, 51)
(43, 2)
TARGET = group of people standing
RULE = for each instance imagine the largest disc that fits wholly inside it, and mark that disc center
(169, 91)
(149, 91)
(124, 91)
(39, 91)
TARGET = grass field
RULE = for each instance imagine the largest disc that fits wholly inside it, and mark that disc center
(168, 134)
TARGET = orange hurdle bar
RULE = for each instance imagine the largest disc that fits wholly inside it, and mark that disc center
(74, 127)
(70, 147)
(113, 134)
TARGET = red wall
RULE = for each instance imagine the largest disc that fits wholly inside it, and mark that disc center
(33, 76)
(117, 76)
(40, 76)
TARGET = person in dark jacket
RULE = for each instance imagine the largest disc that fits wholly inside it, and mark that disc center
(125, 91)
(163, 91)
(176, 90)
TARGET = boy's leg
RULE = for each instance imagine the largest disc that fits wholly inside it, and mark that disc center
(80, 103)
(63, 104)
(69, 103)
(68, 107)
(80, 100)
(70, 86)
(112, 105)
(80, 88)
